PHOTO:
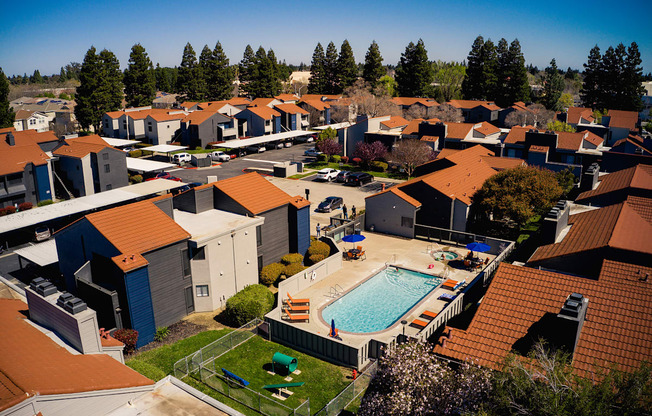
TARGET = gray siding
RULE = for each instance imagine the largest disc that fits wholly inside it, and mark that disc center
(275, 235)
(224, 202)
(436, 209)
(204, 199)
(186, 202)
(385, 212)
(167, 283)
(117, 177)
(165, 205)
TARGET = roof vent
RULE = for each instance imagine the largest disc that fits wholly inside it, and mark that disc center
(11, 141)
(554, 213)
(43, 287)
(65, 296)
(573, 307)
(74, 305)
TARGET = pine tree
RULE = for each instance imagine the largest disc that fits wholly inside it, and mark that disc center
(190, 82)
(553, 86)
(89, 79)
(275, 82)
(414, 73)
(36, 78)
(264, 81)
(162, 82)
(473, 84)
(317, 82)
(489, 73)
(613, 62)
(373, 66)
(330, 70)
(346, 66)
(246, 68)
(7, 115)
(62, 75)
(220, 86)
(591, 92)
(502, 75)
(111, 85)
(139, 79)
(518, 87)
(632, 77)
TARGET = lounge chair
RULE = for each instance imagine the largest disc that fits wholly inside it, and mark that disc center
(297, 301)
(297, 317)
(447, 297)
(361, 255)
(451, 284)
(429, 315)
(297, 308)
(359, 248)
(418, 323)
(349, 255)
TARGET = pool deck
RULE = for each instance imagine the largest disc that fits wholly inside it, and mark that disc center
(381, 249)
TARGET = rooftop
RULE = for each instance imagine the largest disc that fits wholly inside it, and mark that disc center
(290, 108)
(212, 223)
(639, 177)
(255, 193)
(14, 158)
(623, 119)
(264, 112)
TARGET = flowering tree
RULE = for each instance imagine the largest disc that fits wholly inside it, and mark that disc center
(329, 147)
(410, 154)
(368, 152)
(413, 381)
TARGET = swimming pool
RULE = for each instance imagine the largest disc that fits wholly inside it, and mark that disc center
(380, 301)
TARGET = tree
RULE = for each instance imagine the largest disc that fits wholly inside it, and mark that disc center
(516, 194)
(346, 67)
(448, 113)
(560, 126)
(473, 86)
(449, 76)
(218, 75)
(501, 91)
(366, 103)
(591, 93)
(411, 380)
(368, 152)
(553, 85)
(190, 82)
(410, 153)
(36, 78)
(246, 67)
(518, 87)
(538, 116)
(388, 86)
(414, 73)
(139, 78)
(565, 101)
(329, 146)
(373, 66)
(632, 77)
(331, 85)
(7, 115)
(317, 82)
(162, 81)
(264, 75)
(613, 62)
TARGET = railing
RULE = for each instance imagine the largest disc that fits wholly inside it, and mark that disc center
(443, 235)
(346, 227)
(350, 392)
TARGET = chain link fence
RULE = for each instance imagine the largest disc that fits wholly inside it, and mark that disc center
(350, 392)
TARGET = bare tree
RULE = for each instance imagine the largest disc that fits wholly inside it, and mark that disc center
(537, 116)
(415, 111)
(410, 154)
(373, 105)
(447, 112)
(314, 116)
(340, 113)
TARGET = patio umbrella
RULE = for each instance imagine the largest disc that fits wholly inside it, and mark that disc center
(353, 238)
(332, 327)
(479, 247)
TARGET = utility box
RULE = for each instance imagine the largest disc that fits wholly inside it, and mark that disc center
(201, 160)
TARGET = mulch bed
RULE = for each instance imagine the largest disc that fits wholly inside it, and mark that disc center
(178, 331)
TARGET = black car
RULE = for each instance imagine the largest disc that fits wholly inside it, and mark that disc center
(341, 177)
(359, 179)
(329, 204)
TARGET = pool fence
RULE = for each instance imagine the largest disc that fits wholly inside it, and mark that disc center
(350, 392)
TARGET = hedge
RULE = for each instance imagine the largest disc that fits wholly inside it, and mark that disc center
(136, 153)
(251, 302)
(316, 258)
(292, 258)
(10, 209)
(25, 206)
(270, 273)
(294, 268)
(44, 203)
(377, 166)
(322, 158)
(137, 178)
(336, 158)
(129, 337)
(319, 247)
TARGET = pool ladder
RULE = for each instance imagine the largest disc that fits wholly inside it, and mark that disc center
(335, 291)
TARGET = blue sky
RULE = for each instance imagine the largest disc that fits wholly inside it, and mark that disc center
(48, 35)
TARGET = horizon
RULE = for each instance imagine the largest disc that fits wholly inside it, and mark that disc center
(448, 33)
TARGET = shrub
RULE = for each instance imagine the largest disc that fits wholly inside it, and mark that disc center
(10, 209)
(336, 158)
(357, 160)
(199, 148)
(44, 203)
(161, 333)
(270, 273)
(320, 248)
(292, 258)
(316, 258)
(137, 178)
(294, 268)
(377, 166)
(322, 158)
(129, 337)
(136, 153)
(3, 212)
(25, 206)
(345, 159)
(251, 302)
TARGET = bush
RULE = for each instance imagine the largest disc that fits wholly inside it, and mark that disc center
(129, 337)
(270, 273)
(44, 203)
(251, 302)
(161, 333)
(357, 160)
(294, 268)
(25, 206)
(316, 258)
(377, 166)
(10, 209)
(136, 153)
(322, 158)
(3, 212)
(292, 258)
(345, 159)
(320, 248)
(199, 148)
(136, 178)
(336, 158)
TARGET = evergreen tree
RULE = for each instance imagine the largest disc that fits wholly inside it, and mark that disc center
(246, 68)
(373, 68)
(220, 83)
(414, 73)
(473, 84)
(499, 94)
(111, 85)
(632, 77)
(162, 82)
(317, 82)
(330, 70)
(139, 79)
(346, 66)
(36, 78)
(553, 86)
(518, 87)
(275, 81)
(264, 81)
(62, 75)
(591, 92)
(7, 116)
(613, 63)
(489, 73)
(190, 82)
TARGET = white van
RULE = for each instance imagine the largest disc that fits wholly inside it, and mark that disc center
(180, 158)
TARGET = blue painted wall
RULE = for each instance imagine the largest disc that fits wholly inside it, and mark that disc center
(277, 124)
(327, 116)
(303, 229)
(43, 190)
(141, 311)
(293, 121)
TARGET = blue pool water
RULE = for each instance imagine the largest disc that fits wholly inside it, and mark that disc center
(380, 301)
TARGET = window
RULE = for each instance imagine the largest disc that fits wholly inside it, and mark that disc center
(105, 156)
(259, 236)
(406, 222)
(198, 253)
(201, 290)
(106, 124)
(260, 263)
(107, 168)
(268, 123)
(185, 260)
(149, 127)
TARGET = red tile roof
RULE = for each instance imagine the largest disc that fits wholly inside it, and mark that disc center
(32, 364)
(617, 329)
(409, 101)
(517, 134)
(290, 108)
(395, 122)
(299, 202)
(502, 163)
(316, 104)
(198, 117)
(458, 130)
(14, 158)
(623, 119)
(413, 127)
(239, 101)
(35, 136)
(261, 101)
(255, 193)
(82, 146)
(593, 138)
(287, 97)
(487, 129)
(632, 139)
(264, 112)
(539, 149)
(573, 114)
(188, 104)
(115, 114)
(639, 177)
(396, 191)
(470, 104)
(167, 116)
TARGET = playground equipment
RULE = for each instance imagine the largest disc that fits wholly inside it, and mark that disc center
(284, 385)
(232, 376)
(283, 363)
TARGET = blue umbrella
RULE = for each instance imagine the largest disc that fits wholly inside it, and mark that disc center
(479, 247)
(332, 327)
(353, 238)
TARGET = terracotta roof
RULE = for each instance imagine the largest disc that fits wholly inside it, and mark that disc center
(502, 163)
(239, 101)
(409, 101)
(198, 117)
(569, 141)
(469, 155)
(115, 114)
(639, 176)
(460, 181)
(316, 104)
(487, 129)
(395, 122)
(429, 138)
(255, 193)
(14, 158)
(634, 140)
(188, 104)
(33, 364)
(539, 149)
(413, 127)
(520, 106)
(623, 119)
(470, 104)
(290, 108)
(458, 130)
(81, 147)
(34, 136)
(593, 138)
(617, 329)
(516, 134)
(573, 114)
(299, 202)
(167, 116)
(264, 112)
(7, 130)
(495, 162)
(287, 97)
(261, 101)
(620, 226)
(317, 97)
(445, 152)
(135, 229)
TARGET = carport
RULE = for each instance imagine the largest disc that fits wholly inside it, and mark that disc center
(119, 142)
(164, 148)
(146, 166)
(253, 141)
(41, 254)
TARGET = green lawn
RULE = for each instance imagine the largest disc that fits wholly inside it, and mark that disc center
(159, 362)
(353, 168)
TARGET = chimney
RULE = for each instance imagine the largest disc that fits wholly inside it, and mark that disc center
(590, 177)
(555, 221)
(574, 311)
(11, 141)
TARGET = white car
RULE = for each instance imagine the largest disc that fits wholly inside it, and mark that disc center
(327, 174)
(220, 156)
(180, 158)
(312, 152)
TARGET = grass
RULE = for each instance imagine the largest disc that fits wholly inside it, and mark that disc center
(353, 168)
(301, 175)
(158, 363)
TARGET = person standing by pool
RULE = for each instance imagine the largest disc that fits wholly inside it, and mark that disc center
(318, 231)
(353, 211)
(345, 211)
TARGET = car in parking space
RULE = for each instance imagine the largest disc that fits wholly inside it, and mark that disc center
(42, 233)
(180, 158)
(128, 149)
(164, 175)
(256, 149)
(312, 152)
(329, 204)
(287, 144)
(359, 179)
(220, 156)
(327, 174)
(341, 177)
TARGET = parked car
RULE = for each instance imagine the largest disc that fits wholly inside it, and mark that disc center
(42, 233)
(306, 139)
(359, 179)
(164, 175)
(128, 149)
(327, 174)
(256, 149)
(341, 177)
(329, 204)
(220, 156)
(287, 144)
(194, 184)
(312, 152)
(180, 158)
